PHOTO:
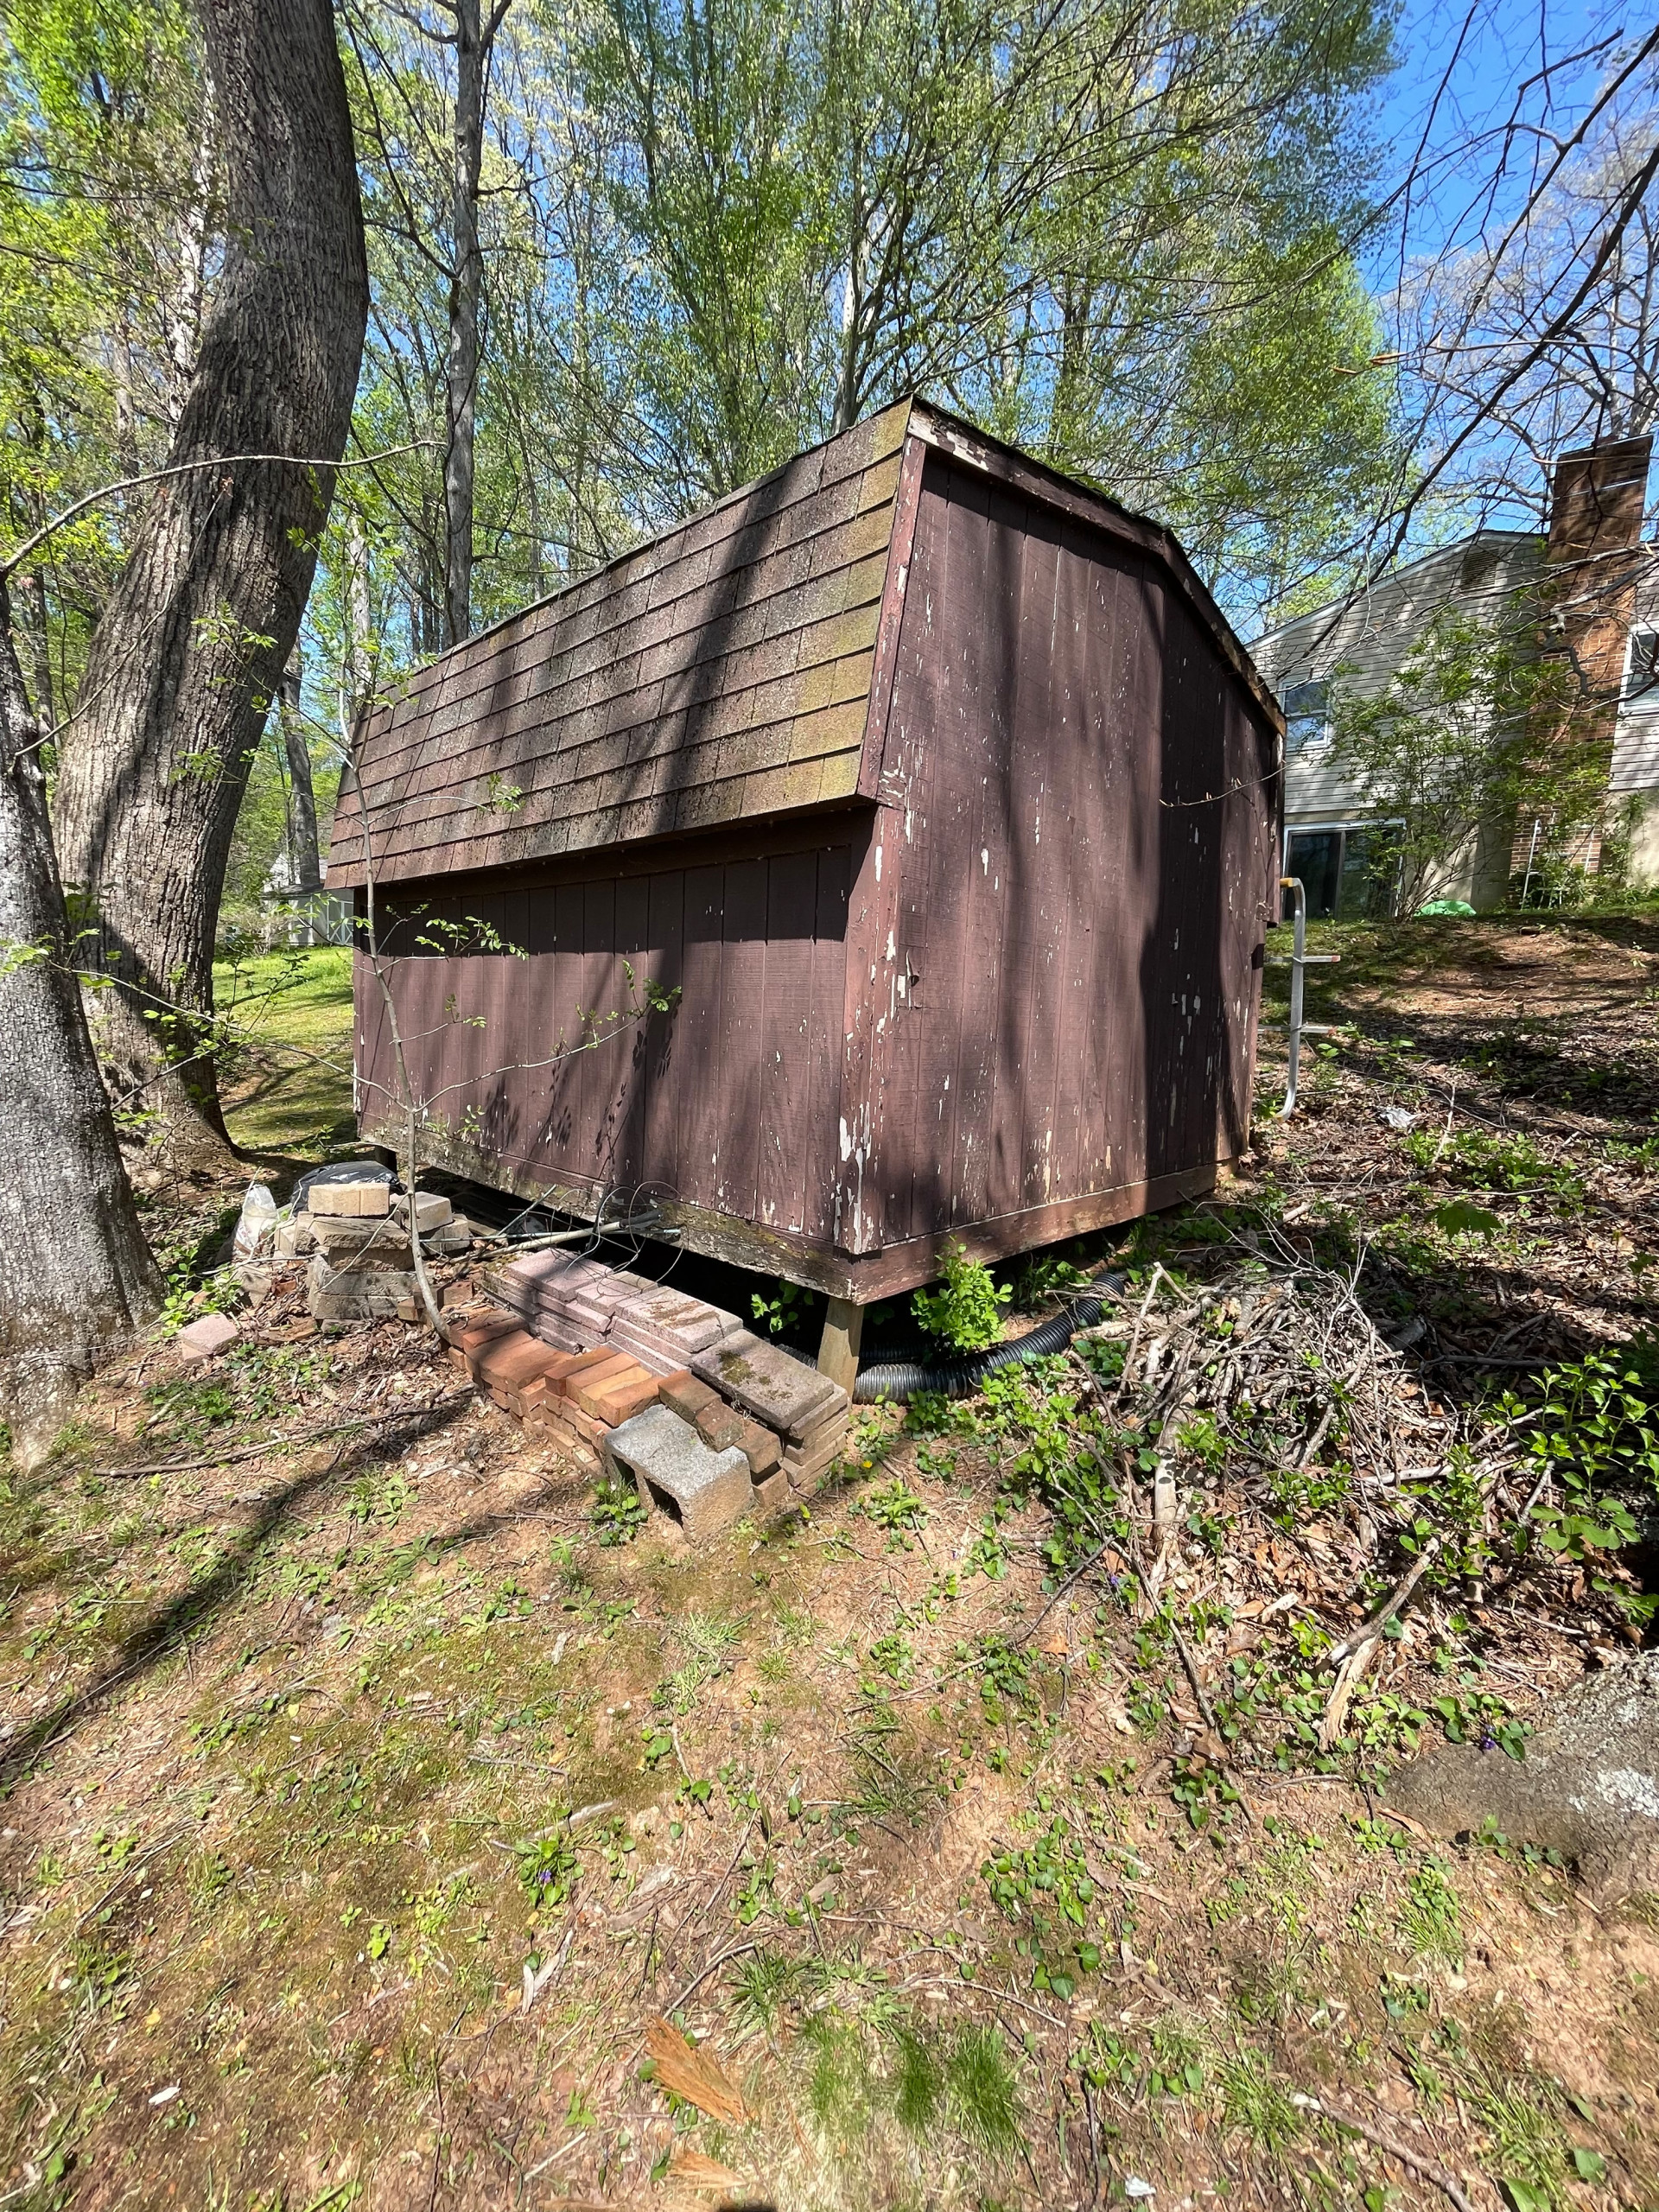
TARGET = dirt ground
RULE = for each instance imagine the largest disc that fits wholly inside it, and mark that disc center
(370, 1793)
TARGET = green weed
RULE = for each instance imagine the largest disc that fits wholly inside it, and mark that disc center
(966, 1310)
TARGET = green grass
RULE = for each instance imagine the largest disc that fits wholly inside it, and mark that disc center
(291, 1091)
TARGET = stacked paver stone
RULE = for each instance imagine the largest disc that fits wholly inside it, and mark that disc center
(606, 1356)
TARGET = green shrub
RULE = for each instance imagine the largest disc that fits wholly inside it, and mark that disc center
(966, 1310)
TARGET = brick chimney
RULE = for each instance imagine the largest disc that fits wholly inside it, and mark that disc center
(1587, 593)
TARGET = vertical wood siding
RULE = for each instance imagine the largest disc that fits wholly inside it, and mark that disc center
(1054, 944)
(728, 1102)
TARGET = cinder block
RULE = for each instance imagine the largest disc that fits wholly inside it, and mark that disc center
(679, 1476)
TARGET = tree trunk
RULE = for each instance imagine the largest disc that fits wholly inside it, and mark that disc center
(472, 58)
(304, 862)
(76, 1276)
(191, 647)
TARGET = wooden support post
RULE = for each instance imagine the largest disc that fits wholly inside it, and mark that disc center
(844, 1328)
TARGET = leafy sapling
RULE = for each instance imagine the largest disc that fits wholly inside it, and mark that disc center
(965, 1310)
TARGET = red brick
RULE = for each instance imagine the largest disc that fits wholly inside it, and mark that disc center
(760, 1447)
(510, 1362)
(588, 1388)
(620, 1400)
(721, 1425)
(683, 1394)
(468, 1339)
(564, 1364)
(562, 1414)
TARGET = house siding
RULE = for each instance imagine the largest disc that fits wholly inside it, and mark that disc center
(1368, 641)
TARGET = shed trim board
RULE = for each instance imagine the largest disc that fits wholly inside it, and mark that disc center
(940, 793)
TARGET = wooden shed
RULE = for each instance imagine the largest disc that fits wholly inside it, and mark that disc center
(940, 790)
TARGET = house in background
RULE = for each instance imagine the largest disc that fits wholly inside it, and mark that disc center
(1598, 587)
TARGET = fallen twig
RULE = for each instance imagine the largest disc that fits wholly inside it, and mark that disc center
(1196, 1680)
(1158, 1274)
(1355, 1655)
(1430, 2168)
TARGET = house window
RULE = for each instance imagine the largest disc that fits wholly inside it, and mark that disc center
(1642, 664)
(1308, 715)
(1346, 872)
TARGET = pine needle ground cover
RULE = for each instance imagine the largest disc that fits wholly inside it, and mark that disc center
(374, 1833)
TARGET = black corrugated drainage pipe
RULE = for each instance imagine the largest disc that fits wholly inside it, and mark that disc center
(903, 1379)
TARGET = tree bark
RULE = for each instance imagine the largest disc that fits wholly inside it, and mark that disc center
(304, 860)
(191, 647)
(473, 37)
(76, 1276)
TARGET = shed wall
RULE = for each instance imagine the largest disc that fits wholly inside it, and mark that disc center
(1055, 940)
(729, 1101)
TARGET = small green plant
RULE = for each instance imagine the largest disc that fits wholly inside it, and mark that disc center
(1048, 1886)
(502, 796)
(618, 1514)
(1492, 1163)
(549, 1867)
(894, 1507)
(1595, 1432)
(966, 1310)
(787, 1303)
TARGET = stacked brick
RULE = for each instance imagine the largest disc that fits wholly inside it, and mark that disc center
(575, 1302)
(710, 1420)
(575, 1396)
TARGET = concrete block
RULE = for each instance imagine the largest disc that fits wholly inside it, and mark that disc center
(431, 1211)
(450, 1240)
(364, 1200)
(683, 1394)
(679, 1476)
(285, 1242)
(768, 1383)
(353, 1294)
(199, 1340)
(356, 1244)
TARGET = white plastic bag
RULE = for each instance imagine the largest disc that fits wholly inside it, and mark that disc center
(258, 1224)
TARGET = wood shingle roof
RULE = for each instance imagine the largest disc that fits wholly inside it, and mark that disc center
(726, 671)
(717, 673)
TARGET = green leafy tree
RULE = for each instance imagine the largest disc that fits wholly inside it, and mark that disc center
(1450, 749)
